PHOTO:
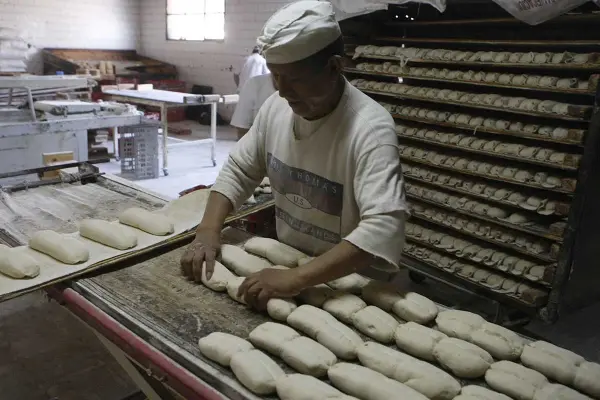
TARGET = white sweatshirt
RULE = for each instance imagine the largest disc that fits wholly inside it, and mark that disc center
(337, 178)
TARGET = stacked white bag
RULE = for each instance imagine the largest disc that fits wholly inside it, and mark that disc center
(13, 51)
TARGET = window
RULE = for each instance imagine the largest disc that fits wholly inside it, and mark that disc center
(195, 19)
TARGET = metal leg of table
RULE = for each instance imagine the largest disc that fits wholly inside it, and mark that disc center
(165, 125)
(115, 133)
(213, 133)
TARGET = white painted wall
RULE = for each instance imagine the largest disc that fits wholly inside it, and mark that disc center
(92, 24)
(207, 63)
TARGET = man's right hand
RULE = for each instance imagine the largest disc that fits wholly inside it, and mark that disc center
(203, 250)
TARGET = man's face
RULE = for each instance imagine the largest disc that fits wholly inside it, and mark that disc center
(306, 88)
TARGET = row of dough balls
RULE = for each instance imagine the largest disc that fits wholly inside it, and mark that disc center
(470, 141)
(469, 250)
(482, 168)
(481, 229)
(550, 362)
(457, 96)
(538, 204)
(15, 264)
(541, 81)
(408, 53)
(476, 122)
(482, 276)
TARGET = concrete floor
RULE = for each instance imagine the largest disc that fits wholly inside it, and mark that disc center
(47, 354)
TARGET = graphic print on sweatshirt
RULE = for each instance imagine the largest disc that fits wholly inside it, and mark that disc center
(310, 197)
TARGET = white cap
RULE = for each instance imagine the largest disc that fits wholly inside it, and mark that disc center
(297, 31)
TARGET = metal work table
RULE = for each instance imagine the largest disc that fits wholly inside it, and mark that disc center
(165, 100)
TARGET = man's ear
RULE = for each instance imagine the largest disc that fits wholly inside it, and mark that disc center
(335, 63)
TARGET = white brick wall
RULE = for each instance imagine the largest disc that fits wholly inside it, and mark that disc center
(207, 63)
(104, 24)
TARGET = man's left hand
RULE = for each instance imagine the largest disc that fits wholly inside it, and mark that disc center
(258, 288)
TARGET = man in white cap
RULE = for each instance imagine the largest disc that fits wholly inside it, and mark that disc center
(254, 65)
(331, 154)
(252, 96)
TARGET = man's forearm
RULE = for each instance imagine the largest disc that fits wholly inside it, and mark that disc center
(343, 259)
(217, 209)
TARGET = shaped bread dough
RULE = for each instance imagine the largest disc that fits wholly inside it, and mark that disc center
(233, 285)
(305, 387)
(473, 392)
(587, 379)
(501, 343)
(375, 323)
(15, 264)
(307, 356)
(417, 308)
(274, 251)
(256, 371)
(381, 294)
(241, 262)
(147, 221)
(220, 347)
(458, 324)
(317, 295)
(367, 384)
(63, 248)
(343, 306)
(514, 380)
(280, 309)
(464, 359)
(108, 234)
(553, 391)
(418, 340)
(219, 279)
(556, 363)
(419, 375)
(271, 337)
(352, 283)
(325, 329)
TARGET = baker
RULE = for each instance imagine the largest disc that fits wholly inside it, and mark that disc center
(254, 65)
(252, 96)
(331, 154)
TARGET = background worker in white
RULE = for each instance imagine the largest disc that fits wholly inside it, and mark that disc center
(331, 154)
(252, 96)
(254, 65)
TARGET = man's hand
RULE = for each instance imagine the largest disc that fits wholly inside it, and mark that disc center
(261, 286)
(203, 249)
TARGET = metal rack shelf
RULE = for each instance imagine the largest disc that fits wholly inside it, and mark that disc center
(527, 43)
(590, 92)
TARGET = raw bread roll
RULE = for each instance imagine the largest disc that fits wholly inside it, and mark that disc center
(381, 294)
(418, 340)
(274, 251)
(343, 306)
(352, 283)
(15, 264)
(149, 222)
(473, 392)
(500, 342)
(375, 323)
(233, 285)
(280, 309)
(367, 384)
(459, 324)
(464, 359)
(108, 234)
(304, 387)
(514, 380)
(305, 260)
(241, 262)
(220, 347)
(63, 248)
(256, 371)
(271, 337)
(219, 279)
(417, 308)
(556, 363)
(307, 356)
(554, 391)
(587, 378)
(317, 295)
(325, 329)
(419, 375)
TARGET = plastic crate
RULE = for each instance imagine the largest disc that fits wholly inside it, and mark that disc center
(138, 149)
